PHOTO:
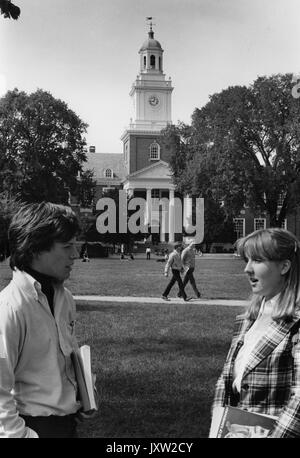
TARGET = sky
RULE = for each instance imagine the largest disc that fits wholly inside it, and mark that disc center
(85, 52)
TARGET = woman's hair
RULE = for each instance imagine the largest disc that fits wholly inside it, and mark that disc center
(35, 227)
(275, 244)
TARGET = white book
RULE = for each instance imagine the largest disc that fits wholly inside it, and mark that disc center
(83, 371)
(233, 422)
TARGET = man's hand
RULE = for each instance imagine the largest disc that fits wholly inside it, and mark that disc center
(86, 415)
(81, 415)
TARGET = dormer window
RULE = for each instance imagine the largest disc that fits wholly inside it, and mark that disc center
(154, 151)
(108, 173)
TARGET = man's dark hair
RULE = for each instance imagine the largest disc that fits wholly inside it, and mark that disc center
(35, 227)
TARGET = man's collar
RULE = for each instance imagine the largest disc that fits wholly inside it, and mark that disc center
(28, 284)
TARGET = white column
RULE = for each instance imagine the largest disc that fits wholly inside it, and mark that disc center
(148, 207)
(130, 192)
(163, 225)
(171, 215)
(164, 220)
(188, 213)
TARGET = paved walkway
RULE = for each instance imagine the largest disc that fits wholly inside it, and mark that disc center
(156, 300)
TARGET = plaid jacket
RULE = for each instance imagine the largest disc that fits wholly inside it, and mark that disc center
(271, 380)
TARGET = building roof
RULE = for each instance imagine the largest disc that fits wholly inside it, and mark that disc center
(99, 162)
(151, 43)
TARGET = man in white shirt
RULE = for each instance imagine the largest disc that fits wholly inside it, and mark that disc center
(38, 390)
(175, 264)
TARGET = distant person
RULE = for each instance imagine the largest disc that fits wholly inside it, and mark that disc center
(199, 252)
(148, 252)
(175, 264)
(188, 261)
(38, 389)
(166, 255)
(85, 256)
(262, 369)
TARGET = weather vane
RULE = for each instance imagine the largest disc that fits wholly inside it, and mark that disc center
(149, 20)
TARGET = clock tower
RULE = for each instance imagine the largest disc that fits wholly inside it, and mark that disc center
(151, 93)
(151, 96)
(146, 158)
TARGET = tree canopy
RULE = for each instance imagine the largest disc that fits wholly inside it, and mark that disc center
(9, 10)
(41, 147)
(243, 148)
(86, 188)
(7, 208)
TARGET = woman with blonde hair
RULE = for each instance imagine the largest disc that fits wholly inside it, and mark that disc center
(262, 369)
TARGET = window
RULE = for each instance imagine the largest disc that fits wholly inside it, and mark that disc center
(159, 63)
(259, 223)
(154, 151)
(284, 224)
(126, 152)
(281, 199)
(239, 227)
(144, 61)
(155, 193)
(152, 61)
(108, 173)
(105, 190)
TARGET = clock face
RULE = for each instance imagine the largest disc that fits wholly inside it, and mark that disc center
(153, 100)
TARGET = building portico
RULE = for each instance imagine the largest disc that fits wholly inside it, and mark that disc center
(154, 184)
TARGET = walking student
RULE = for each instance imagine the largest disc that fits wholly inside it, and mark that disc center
(38, 390)
(175, 264)
(262, 369)
(188, 261)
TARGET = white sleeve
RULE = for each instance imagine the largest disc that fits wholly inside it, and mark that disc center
(11, 424)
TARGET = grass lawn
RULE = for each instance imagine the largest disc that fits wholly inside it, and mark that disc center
(156, 367)
(216, 278)
(156, 364)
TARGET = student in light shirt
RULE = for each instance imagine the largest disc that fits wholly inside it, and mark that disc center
(38, 390)
(174, 264)
(262, 369)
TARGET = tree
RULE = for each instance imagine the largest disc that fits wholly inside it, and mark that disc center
(86, 188)
(41, 147)
(246, 143)
(9, 10)
(194, 180)
(7, 208)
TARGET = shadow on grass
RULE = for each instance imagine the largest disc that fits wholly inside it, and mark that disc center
(124, 415)
(156, 367)
(155, 391)
(150, 347)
